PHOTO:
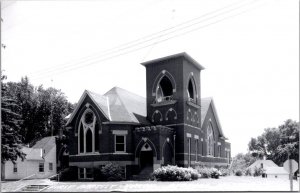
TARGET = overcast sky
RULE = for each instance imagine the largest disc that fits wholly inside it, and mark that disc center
(249, 48)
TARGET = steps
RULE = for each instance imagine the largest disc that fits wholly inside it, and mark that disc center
(34, 188)
(144, 174)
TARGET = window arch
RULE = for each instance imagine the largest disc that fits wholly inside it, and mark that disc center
(191, 89)
(164, 90)
(210, 140)
(86, 138)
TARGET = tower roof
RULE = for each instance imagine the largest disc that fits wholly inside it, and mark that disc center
(182, 54)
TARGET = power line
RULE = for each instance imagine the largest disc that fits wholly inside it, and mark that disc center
(160, 41)
(147, 38)
(72, 67)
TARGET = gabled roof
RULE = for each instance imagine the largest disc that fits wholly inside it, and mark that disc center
(182, 54)
(99, 100)
(47, 143)
(117, 105)
(276, 170)
(205, 104)
(33, 153)
(266, 163)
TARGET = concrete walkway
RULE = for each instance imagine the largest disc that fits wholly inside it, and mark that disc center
(230, 183)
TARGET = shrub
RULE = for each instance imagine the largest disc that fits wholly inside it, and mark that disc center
(112, 172)
(248, 172)
(215, 173)
(258, 171)
(204, 172)
(238, 173)
(174, 173)
(225, 171)
(68, 174)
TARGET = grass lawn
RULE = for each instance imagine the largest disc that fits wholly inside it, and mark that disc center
(230, 183)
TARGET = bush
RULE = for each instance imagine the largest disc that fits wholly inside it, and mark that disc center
(225, 172)
(112, 172)
(68, 174)
(258, 171)
(215, 173)
(204, 172)
(238, 173)
(174, 173)
(248, 172)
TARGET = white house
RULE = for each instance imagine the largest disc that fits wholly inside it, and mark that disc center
(277, 172)
(262, 164)
(40, 161)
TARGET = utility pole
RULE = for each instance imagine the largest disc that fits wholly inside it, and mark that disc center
(51, 110)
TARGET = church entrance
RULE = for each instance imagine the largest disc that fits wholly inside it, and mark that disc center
(146, 161)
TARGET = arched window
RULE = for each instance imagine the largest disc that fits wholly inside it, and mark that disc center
(191, 90)
(89, 139)
(164, 90)
(86, 138)
(210, 140)
(81, 136)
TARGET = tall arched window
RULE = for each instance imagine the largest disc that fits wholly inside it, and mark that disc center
(86, 138)
(210, 140)
(164, 90)
(81, 140)
(191, 90)
(89, 139)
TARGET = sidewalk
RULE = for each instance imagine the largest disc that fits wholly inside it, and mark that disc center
(231, 183)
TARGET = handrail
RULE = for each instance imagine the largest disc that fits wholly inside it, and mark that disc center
(55, 175)
(22, 180)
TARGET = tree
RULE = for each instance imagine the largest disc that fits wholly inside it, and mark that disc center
(242, 161)
(24, 94)
(277, 143)
(10, 122)
(43, 111)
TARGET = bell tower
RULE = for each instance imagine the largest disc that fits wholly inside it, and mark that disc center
(173, 90)
(174, 98)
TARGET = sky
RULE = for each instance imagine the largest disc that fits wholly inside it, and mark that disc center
(249, 48)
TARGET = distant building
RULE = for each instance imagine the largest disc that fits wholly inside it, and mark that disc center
(40, 161)
(276, 172)
(262, 164)
(172, 125)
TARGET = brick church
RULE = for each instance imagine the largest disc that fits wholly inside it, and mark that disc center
(172, 125)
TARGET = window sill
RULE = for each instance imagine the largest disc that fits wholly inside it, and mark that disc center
(92, 153)
(120, 153)
(164, 103)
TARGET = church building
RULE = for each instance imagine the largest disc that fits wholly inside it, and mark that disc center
(172, 125)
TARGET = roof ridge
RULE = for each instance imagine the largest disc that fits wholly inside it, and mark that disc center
(116, 89)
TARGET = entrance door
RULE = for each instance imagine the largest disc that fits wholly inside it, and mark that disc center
(146, 157)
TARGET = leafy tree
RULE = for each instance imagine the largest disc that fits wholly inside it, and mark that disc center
(242, 161)
(42, 110)
(277, 143)
(23, 92)
(10, 122)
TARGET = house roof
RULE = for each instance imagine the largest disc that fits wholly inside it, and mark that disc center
(266, 163)
(182, 54)
(276, 170)
(32, 153)
(46, 144)
(205, 104)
